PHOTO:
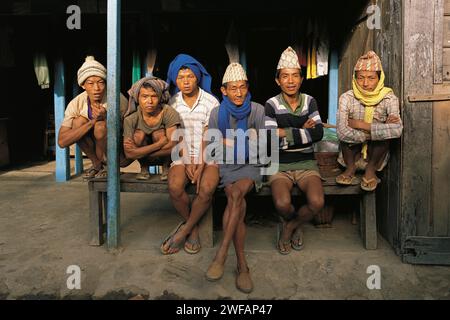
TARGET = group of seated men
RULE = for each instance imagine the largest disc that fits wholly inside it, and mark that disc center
(172, 122)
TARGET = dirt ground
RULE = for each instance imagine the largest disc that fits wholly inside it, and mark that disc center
(44, 230)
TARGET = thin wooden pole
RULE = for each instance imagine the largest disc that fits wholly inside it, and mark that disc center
(113, 123)
(62, 171)
(333, 88)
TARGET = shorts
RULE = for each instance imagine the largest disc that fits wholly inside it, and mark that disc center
(294, 176)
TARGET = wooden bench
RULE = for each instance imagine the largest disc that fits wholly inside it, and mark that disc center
(128, 183)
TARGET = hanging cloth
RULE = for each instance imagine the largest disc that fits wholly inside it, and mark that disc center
(41, 70)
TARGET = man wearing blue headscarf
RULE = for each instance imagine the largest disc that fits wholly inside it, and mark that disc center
(191, 85)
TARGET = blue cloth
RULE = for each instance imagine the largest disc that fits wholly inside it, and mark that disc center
(184, 60)
(241, 114)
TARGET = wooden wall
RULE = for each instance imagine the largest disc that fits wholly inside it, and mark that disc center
(425, 200)
(387, 43)
(441, 123)
(418, 118)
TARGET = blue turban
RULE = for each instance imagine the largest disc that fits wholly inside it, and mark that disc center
(184, 60)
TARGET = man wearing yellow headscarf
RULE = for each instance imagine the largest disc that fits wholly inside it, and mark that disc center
(368, 117)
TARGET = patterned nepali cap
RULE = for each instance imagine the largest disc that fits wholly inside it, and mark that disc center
(369, 62)
(234, 72)
(288, 60)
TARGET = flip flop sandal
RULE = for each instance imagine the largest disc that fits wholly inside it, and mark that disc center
(90, 173)
(193, 243)
(346, 180)
(370, 185)
(297, 239)
(169, 240)
(286, 245)
(143, 176)
(102, 174)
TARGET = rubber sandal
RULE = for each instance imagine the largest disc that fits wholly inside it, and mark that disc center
(169, 240)
(297, 239)
(345, 180)
(193, 243)
(90, 173)
(286, 245)
(369, 185)
(143, 176)
(102, 174)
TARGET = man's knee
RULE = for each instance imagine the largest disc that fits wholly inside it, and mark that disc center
(176, 190)
(283, 206)
(234, 195)
(316, 203)
(206, 191)
(100, 130)
(139, 137)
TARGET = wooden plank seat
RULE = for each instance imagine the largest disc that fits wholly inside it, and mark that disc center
(128, 183)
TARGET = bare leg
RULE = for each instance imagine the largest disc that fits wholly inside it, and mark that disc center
(141, 139)
(377, 152)
(235, 205)
(201, 203)
(100, 135)
(180, 199)
(281, 194)
(312, 187)
(239, 239)
(87, 144)
(349, 154)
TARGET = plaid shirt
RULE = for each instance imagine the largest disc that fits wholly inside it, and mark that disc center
(351, 108)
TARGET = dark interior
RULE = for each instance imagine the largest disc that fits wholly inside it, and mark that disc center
(198, 28)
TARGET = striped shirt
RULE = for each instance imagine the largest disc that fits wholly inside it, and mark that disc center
(298, 145)
(194, 120)
(352, 108)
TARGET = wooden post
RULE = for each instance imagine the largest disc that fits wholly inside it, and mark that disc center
(368, 221)
(113, 122)
(95, 216)
(78, 153)
(62, 154)
(333, 88)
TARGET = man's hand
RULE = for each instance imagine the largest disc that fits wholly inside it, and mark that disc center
(281, 133)
(198, 176)
(310, 124)
(228, 143)
(355, 124)
(98, 112)
(190, 170)
(129, 144)
(359, 125)
(393, 119)
(159, 136)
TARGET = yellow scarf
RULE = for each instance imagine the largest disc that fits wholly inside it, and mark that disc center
(370, 100)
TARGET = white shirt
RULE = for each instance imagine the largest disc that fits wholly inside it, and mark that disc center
(195, 119)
